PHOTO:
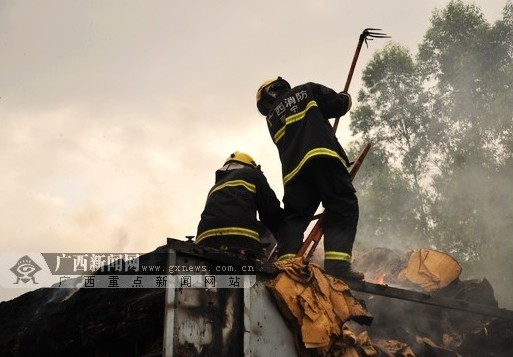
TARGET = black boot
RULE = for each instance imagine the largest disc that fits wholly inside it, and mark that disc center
(342, 270)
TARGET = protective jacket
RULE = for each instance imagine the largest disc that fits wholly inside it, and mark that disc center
(230, 213)
(299, 126)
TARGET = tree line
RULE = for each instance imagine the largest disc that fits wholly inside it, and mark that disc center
(440, 121)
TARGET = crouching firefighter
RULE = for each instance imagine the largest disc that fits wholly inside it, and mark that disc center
(229, 220)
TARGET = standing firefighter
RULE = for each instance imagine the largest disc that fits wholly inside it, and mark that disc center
(314, 169)
(229, 220)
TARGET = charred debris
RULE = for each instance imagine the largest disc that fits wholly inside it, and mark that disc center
(409, 317)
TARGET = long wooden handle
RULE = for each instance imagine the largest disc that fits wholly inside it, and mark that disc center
(351, 72)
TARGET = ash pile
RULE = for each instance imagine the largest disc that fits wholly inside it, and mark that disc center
(445, 324)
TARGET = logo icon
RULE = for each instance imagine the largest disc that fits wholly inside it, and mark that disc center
(25, 269)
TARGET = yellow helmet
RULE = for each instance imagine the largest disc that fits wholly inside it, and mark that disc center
(268, 92)
(241, 157)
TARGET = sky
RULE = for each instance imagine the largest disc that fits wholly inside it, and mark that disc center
(115, 114)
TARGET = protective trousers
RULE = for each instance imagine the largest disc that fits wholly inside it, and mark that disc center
(323, 180)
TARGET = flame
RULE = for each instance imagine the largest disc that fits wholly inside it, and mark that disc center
(379, 278)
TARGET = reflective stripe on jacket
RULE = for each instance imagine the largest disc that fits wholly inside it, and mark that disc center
(233, 203)
(299, 126)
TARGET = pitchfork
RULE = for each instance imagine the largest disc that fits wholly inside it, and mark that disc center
(316, 233)
(367, 35)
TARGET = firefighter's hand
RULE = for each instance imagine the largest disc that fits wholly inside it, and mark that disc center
(347, 97)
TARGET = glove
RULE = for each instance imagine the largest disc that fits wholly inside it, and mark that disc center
(347, 97)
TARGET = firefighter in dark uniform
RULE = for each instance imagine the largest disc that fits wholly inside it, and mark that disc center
(314, 169)
(229, 220)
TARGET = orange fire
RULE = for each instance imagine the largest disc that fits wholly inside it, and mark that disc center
(379, 278)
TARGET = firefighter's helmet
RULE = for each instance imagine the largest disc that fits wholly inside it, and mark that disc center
(268, 92)
(242, 158)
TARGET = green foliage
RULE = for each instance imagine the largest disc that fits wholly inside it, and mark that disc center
(441, 126)
(394, 116)
(387, 205)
